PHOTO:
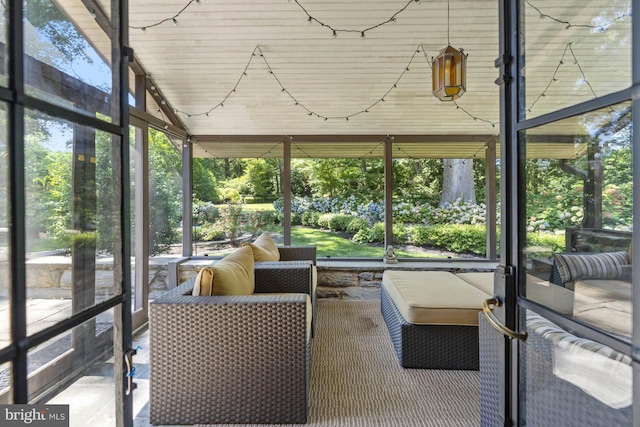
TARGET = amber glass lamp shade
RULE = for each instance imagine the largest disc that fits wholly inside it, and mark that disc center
(449, 74)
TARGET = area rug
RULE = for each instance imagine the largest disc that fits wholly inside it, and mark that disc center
(356, 380)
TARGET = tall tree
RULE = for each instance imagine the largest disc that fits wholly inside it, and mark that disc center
(458, 181)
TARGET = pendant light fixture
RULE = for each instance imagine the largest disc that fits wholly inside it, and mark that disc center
(449, 71)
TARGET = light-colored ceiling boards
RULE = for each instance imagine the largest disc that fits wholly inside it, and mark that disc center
(271, 68)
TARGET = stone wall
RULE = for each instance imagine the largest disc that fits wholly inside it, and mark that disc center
(51, 278)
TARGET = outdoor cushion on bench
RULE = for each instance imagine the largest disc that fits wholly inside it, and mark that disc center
(446, 336)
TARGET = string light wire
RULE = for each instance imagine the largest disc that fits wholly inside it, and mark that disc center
(362, 31)
(258, 53)
(173, 18)
(568, 24)
(310, 18)
(554, 78)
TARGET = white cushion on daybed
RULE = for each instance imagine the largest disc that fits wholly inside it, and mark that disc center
(434, 297)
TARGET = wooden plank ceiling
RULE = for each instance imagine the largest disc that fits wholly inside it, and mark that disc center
(242, 76)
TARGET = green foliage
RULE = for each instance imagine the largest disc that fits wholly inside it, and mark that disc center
(334, 222)
(459, 238)
(310, 218)
(256, 221)
(165, 192)
(340, 222)
(84, 240)
(342, 177)
(373, 234)
(324, 221)
(57, 29)
(229, 195)
(263, 178)
(547, 243)
(230, 220)
(209, 232)
(296, 219)
(204, 212)
(356, 224)
(205, 185)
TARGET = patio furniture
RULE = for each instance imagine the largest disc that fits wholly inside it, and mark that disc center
(432, 317)
(233, 359)
(266, 253)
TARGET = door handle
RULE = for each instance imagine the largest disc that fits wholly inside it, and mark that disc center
(130, 370)
(496, 323)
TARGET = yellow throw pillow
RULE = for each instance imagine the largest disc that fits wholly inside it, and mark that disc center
(264, 249)
(232, 275)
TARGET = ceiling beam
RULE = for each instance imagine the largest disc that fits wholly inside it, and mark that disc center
(355, 139)
(319, 139)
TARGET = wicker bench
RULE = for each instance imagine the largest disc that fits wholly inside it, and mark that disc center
(432, 317)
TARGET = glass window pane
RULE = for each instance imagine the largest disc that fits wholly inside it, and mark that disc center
(87, 353)
(165, 194)
(5, 282)
(573, 379)
(62, 65)
(6, 386)
(579, 216)
(423, 212)
(337, 204)
(4, 44)
(73, 218)
(573, 52)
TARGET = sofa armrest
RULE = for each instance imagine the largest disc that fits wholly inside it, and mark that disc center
(297, 253)
(284, 276)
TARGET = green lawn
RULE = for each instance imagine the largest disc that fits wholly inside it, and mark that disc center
(257, 207)
(331, 244)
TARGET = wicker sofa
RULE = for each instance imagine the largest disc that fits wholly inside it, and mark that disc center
(233, 359)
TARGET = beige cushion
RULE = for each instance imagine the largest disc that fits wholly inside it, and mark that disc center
(232, 275)
(434, 297)
(314, 278)
(264, 248)
(481, 280)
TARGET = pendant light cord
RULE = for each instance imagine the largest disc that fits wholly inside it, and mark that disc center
(448, 43)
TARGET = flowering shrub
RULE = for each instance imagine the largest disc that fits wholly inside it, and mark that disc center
(257, 220)
(555, 219)
(458, 212)
(204, 212)
(231, 220)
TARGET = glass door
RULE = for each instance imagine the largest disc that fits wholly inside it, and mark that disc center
(564, 288)
(64, 222)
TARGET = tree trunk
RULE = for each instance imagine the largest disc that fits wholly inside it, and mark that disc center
(457, 182)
